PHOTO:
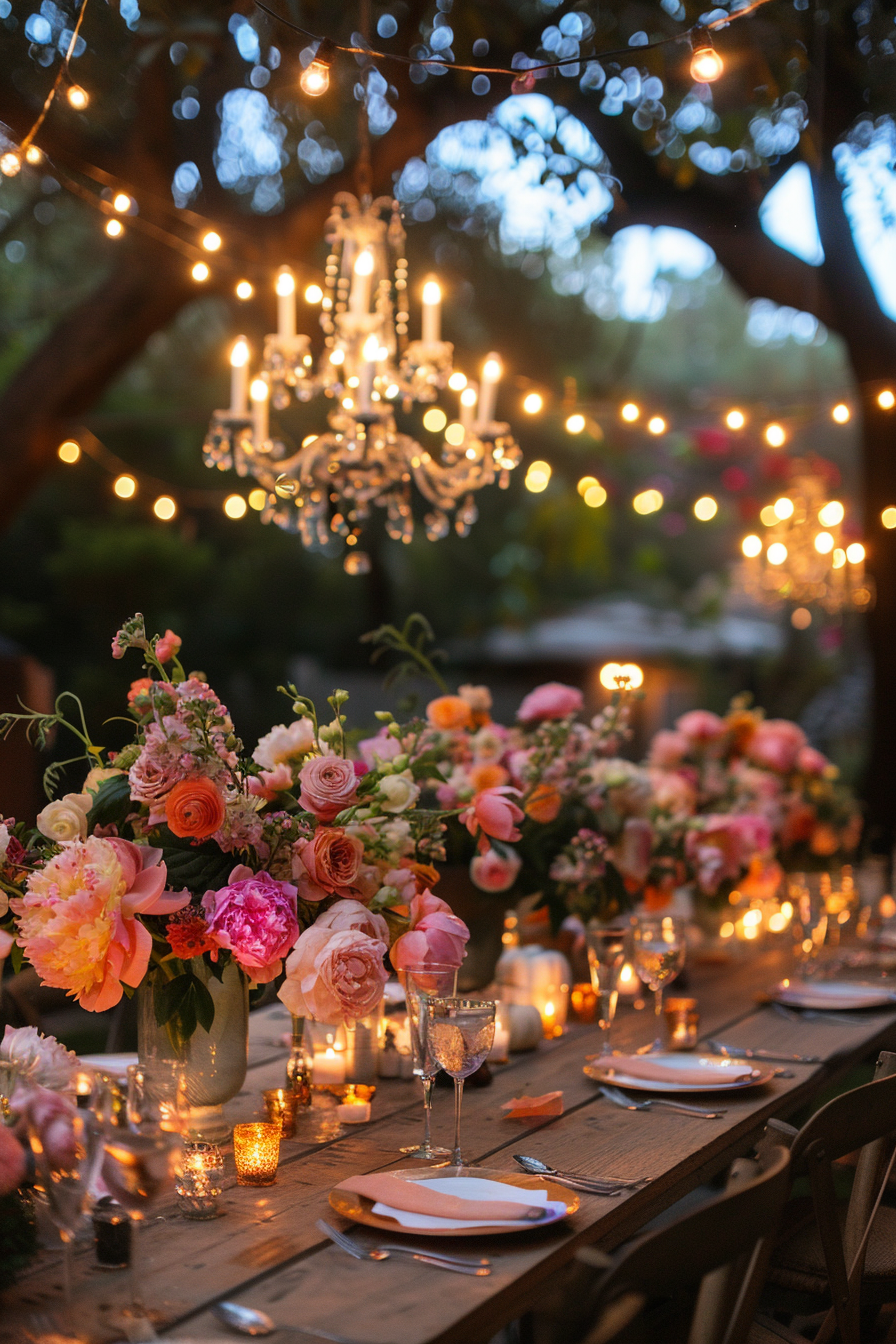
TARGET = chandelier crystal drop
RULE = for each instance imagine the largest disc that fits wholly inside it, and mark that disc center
(368, 367)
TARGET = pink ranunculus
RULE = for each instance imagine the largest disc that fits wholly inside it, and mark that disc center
(553, 700)
(495, 870)
(328, 864)
(384, 747)
(493, 814)
(268, 783)
(12, 1161)
(436, 936)
(811, 762)
(255, 917)
(353, 915)
(334, 975)
(633, 851)
(167, 646)
(667, 749)
(701, 726)
(776, 744)
(328, 784)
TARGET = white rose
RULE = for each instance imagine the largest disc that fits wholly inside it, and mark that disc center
(38, 1059)
(399, 792)
(285, 743)
(4, 839)
(98, 776)
(66, 818)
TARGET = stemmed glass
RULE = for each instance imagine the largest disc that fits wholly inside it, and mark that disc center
(460, 1034)
(606, 944)
(421, 983)
(66, 1172)
(659, 957)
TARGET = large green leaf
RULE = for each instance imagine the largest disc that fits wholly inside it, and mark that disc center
(199, 868)
(111, 802)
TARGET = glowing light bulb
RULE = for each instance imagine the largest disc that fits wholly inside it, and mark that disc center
(585, 484)
(211, 241)
(114, 228)
(235, 506)
(285, 283)
(492, 370)
(69, 451)
(457, 382)
(855, 553)
(239, 355)
(432, 292)
(125, 487)
(313, 294)
(630, 412)
(595, 495)
(78, 98)
(259, 390)
(244, 290)
(468, 396)
(455, 434)
(751, 546)
(538, 476)
(33, 154)
(10, 163)
(705, 508)
(121, 202)
(783, 508)
(575, 424)
(611, 673)
(315, 79)
(435, 419)
(735, 419)
(257, 499)
(337, 356)
(656, 425)
(533, 402)
(840, 413)
(776, 553)
(706, 63)
(200, 272)
(648, 501)
(364, 263)
(824, 543)
(165, 508)
(888, 518)
(775, 435)
(831, 513)
(886, 400)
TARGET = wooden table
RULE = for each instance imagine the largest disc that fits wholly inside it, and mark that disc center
(268, 1253)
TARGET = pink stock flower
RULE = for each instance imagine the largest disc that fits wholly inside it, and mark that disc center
(334, 975)
(383, 747)
(493, 814)
(701, 726)
(12, 1161)
(167, 646)
(328, 784)
(343, 915)
(495, 870)
(268, 783)
(255, 917)
(328, 864)
(811, 762)
(77, 921)
(667, 749)
(553, 700)
(776, 744)
(436, 936)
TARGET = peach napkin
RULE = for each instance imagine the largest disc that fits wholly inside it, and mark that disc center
(641, 1066)
(522, 1108)
(415, 1197)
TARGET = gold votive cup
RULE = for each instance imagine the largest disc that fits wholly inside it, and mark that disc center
(201, 1180)
(281, 1104)
(256, 1151)
(682, 1023)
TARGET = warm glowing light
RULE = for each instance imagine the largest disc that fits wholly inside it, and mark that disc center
(200, 272)
(575, 424)
(831, 514)
(777, 922)
(726, 930)
(337, 356)
(585, 484)
(33, 154)
(315, 80)
(824, 543)
(767, 516)
(69, 451)
(648, 501)
(458, 381)
(244, 290)
(121, 202)
(259, 390)
(285, 283)
(705, 508)
(533, 402)
(888, 517)
(735, 419)
(455, 434)
(595, 496)
(630, 412)
(211, 241)
(257, 499)
(469, 396)
(114, 228)
(783, 507)
(78, 98)
(435, 420)
(751, 546)
(855, 553)
(164, 508)
(235, 506)
(612, 673)
(313, 294)
(125, 487)
(370, 350)
(364, 263)
(538, 475)
(432, 292)
(392, 391)
(239, 354)
(492, 370)
(838, 560)
(10, 163)
(775, 435)
(801, 618)
(656, 424)
(886, 400)
(706, 63)
(840, 413)
(776, 553)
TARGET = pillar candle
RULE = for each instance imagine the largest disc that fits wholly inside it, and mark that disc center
(432, 310)
(286, 302)
(359, 297)
(488, 391)
(468, 399)
(259, 392)
(239, 376)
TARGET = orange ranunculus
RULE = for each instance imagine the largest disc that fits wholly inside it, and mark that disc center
(194, 808)
(425, 875)
(448, 712)
(741, 724)
(488, 775)
(544, 803)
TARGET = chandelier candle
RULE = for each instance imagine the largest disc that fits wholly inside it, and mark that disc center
(239, 376)
(468, 400)
(370, 351)
(259, 392)
(359, 299)
(488, 392)
(432, 311)
(286, 303)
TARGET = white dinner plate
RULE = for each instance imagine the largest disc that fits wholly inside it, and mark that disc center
(722, 1074)
(116, 1066)
(837, 994)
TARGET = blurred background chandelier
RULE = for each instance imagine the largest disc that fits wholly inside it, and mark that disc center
(368, 368)
(807, 554)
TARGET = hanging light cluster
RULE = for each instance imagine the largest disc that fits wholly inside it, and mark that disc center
(368, 367)
(805, 555)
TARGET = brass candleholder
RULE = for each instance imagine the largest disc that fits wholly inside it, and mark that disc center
(281, 1104)
(256, 1151)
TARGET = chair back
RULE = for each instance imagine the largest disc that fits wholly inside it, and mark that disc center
(723, 1245)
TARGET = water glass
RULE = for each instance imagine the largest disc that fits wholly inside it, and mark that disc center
(65, 1173)
(809, 924)
(460, 1034)
(607, 945)
(421, 983)
(660, 948)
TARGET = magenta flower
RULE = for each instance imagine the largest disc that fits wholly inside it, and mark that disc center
(255, 917)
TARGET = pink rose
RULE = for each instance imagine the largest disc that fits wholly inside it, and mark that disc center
(334, 975)
(167, 646)
(268, 783)
(701, 726)
(328, 784)
(776, 744)
(667, 749)
(436, 935)
(327, 865)
(553, 700)
(12, 1161)
(495, 870)
(492, 813)
(344, 915)
(151, 780)
(255, 917)
(811, 762)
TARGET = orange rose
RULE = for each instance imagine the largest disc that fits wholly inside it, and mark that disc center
(194, 808)
(449, 712)
(488, 776)
(544, 803)
(741, 724)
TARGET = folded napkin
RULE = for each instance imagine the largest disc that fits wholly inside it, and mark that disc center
(522, 1108)
(641, 1066)
(419, 1197)
(472, 1190)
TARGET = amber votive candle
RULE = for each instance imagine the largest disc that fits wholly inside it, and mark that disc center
(281, 1103)
(256, 1151)
(682, 1023)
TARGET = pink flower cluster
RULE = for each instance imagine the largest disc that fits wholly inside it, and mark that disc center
(254, 917)
(336, 971)
(721, 847)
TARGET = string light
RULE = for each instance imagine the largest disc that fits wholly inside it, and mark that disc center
(831, 513)
(165, 508)
(114, 228)
(648, 501)
(125, 487)
(656, 424)
(706, 64)
(33, 155)
(767, 516)
(257, 499)
(69, 451)
(595, 495)
(200, 272)
(10, 163)
(630, 412)
(315, 78)
(888, 517)
(735, 419)
(783, 508)
(78, 97)
(775, 435)
(705, 508)
(313, 294)
(533, 402)
(751, 546)
(455, 434)
(585, 484)
(121, 202)
(824, 543)
(776, 553)
(244, 290)
(886, 400)
(575, 424)
(211, 241)
(235, 506)
(538, 477)
(855, 553)
(840, 413)
(612, 673)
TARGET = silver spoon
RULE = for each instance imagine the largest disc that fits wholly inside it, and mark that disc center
(248, 1321)
(603, 1185)
(626, 1102)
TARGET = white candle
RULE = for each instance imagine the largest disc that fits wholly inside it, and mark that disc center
(239, 376)
(501, 1048)
(488, 392)
(353, 1112)
(359, 298)
(432, 310)
(286, 302)
(327, 1068)
(259, 392)
(369, 353)
(468, 399)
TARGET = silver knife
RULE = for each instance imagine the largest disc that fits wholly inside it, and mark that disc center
(741, 1052)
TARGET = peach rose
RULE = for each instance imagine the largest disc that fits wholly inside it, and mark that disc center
(327, 865)
(194, 808)
(353, 915)
(449, 712)
(493, 813)
(553, 700)
(488, 775)
(544, 803)
(328, 784)
(334, 975)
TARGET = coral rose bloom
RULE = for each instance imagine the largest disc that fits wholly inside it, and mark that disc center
(327, 865)
(436, 936)
(553, 700)
(776, 744)
(334, 975)
(449, 712)
(544, 803)
(328, 784)
(494, 814)
(194, 808)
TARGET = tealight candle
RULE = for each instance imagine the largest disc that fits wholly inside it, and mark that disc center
(256, 1151)
(281, 1104)
(500, 1051)
(200, 1181)
(682, 1023)
(355, 1106)
(83, 1087)
(328, 1068)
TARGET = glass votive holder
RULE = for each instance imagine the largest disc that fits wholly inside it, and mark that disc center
(682, 1023)
(256, 1151)
(201, 1180)
(281, 1104)
(583, 1002)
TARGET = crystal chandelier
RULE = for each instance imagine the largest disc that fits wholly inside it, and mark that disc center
(806, 555)
(368, 367)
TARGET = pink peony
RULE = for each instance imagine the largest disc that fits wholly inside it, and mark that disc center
(329, 784)
(776, 744)
(811, 762)
(167, 646)
(344, 915)
(701, 726)
(553, 700)
(255, 917)
(493, 813)
(667, 749)
(328, 864)
(12, 1161)
(77, 921)
(334, 975)
(495, 870)
(436, 935)
(268, 783)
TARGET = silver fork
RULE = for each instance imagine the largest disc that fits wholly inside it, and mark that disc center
(479, 1268)
(621, 1099)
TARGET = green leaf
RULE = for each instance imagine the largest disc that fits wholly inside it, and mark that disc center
(17, 957)
(199, 868)
(204, 1004)
(170, 996)
(111, 802)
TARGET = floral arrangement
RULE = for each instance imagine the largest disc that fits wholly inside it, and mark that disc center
(293, 861)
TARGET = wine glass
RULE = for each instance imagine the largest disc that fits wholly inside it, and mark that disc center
(809, 925)
(422, 982)
(606, 944)
(659, 958)
(66, 1170)
(460, 1033)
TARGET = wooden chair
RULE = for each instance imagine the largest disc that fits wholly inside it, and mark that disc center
(843, 1254)
(723, 1247)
